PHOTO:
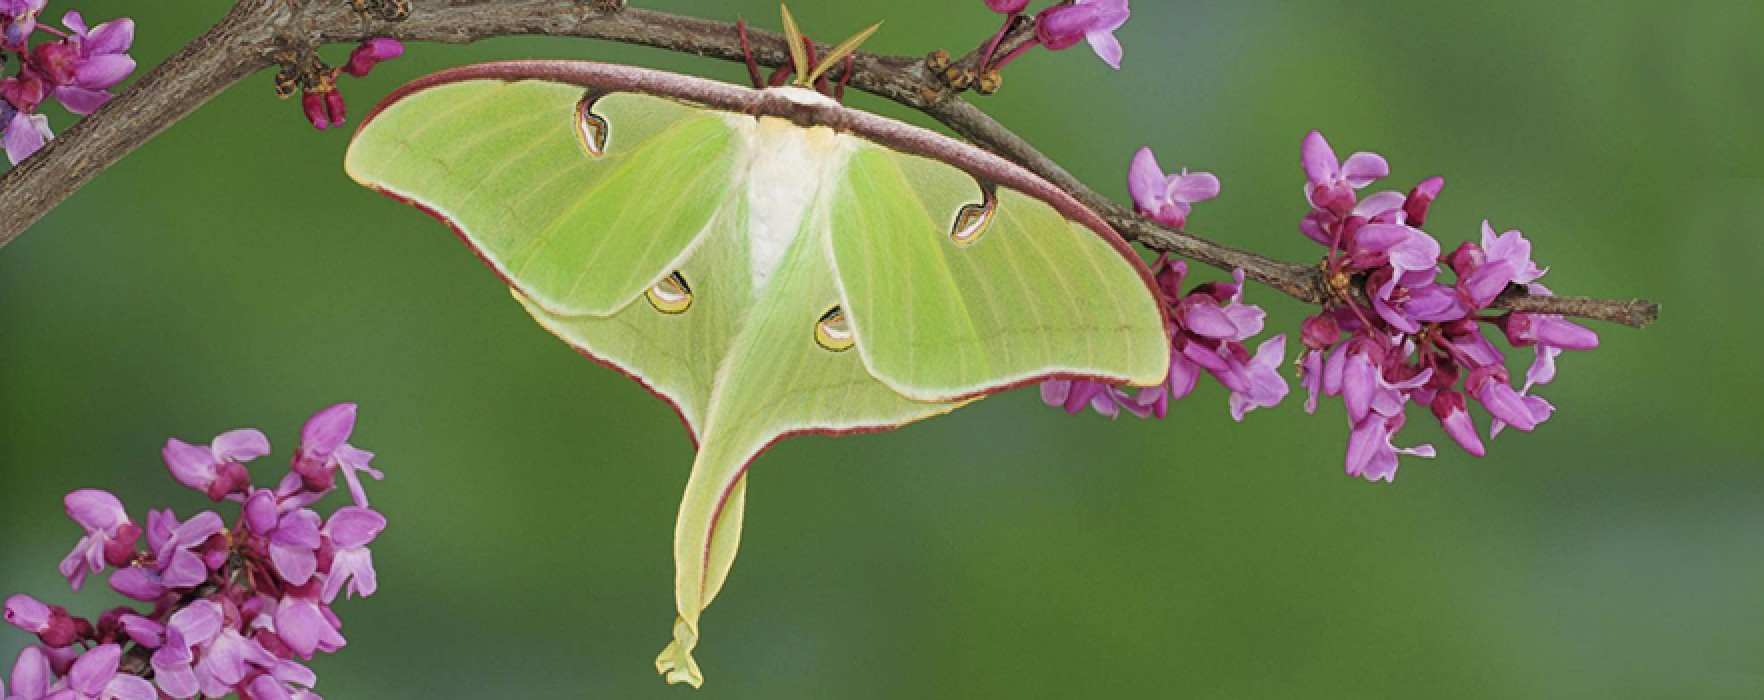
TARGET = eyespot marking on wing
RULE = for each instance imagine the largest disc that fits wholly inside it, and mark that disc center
(833, 331)
(671, 295)
(592, 130)
(972, 220)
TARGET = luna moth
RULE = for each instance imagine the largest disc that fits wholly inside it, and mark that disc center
(767, 261)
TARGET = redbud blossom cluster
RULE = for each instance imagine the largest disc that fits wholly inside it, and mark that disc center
(1397, 333)
(1208, 326)
(320, 98)
(77, 67)
(229, 610)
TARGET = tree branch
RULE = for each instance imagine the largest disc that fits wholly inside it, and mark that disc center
(251, 36)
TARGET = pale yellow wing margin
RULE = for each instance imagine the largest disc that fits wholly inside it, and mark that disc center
(579, 205)
(785, 374)
(954, 292)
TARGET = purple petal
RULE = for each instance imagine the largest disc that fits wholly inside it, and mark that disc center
(27, 613)
(1487, 282)
(1249, 320)
(352, 527)
(241, 445)
(1054, 391)
(1463, 430)
(111, 37)
(1107, 47)
(1364, 443)
(353, 460)
(1379, 204)
(1321, 165)
(198, 623)
(177, 680)
(138, 583)
(1209, 320)
(328, 429)
(145, 632)
(1145, 181)
(260, 511)
(268, 688)
(1434, 304)
(1379, 238)
(103, 72)
(224, 660)
(357, 565)
(127, 687)
(1507, 405)
(295, 564)
(304, 628)
(1419, 252)
(1363, 168)
(1392, 315)
(198, 529)
(80, 100)
(1567, 335)
(95, 510)
(94, 670)
(191, 465)
(75, 21)
(1359, 382)
(183, 569)
(31, 675)
(298, 529)
(1110, 14)
(1184, 376)
(1193, 187)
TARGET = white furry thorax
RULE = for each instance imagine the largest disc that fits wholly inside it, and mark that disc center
(789, 175)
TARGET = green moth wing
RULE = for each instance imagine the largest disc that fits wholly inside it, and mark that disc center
(544, 188)
(769, 262)
(956, 286)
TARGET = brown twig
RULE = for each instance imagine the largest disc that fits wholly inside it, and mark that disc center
(255, 31)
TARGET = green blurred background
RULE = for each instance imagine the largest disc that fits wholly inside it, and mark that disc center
(228, 274)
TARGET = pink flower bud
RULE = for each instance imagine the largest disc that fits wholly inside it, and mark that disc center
(371, 52)
(1453, 415)
(313, 104)
(1320, 331)
(1420, 198)
(1007, 7)
(334, 107)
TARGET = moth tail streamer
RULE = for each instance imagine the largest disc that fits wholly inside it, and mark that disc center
(706, 537)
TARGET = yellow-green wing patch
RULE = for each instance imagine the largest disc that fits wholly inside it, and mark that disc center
(513, 167)
(954, 291)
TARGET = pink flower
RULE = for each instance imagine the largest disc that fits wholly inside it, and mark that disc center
(348, 533)
(216, 469)
(1075, 394)
(1332, 182)
(1371, 454)
(371, 52)
(110, 535)
(1167, 199)
(51, 623)
(204, 652)
(1061, 26)
(25, 133)
(89, 63)
(324, 451)
(294, 544)
(305, 624)
(18, 18)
